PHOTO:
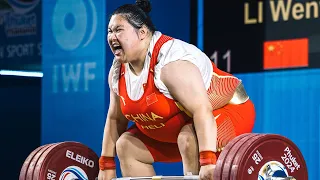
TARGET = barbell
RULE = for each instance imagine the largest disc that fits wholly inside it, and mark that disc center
(250, 156)
(188, 177)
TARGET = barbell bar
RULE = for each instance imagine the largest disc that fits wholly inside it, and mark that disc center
(192, 177)
(248, 156)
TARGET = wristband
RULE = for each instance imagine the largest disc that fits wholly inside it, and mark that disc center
(106, 163)
(207, 157)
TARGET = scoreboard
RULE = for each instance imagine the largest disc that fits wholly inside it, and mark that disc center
(252, 36)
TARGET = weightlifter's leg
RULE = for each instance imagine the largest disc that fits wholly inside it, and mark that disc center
(135, 158)
(188, 147)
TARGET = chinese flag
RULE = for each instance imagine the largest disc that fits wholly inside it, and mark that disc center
(285, 54)
(152, 98)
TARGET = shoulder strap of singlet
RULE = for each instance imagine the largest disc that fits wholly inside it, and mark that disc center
(163, 39)
(122, 69)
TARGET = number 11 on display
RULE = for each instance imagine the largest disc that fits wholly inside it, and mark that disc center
(226, 56)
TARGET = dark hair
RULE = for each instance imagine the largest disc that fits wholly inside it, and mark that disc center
(137, 14)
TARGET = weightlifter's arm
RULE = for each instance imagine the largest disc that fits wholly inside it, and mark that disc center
(185, 83)
(115, 125)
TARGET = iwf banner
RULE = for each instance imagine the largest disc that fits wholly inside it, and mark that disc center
(20, 34)
(74, 81)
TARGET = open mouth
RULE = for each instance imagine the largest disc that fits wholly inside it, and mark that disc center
(117, 49)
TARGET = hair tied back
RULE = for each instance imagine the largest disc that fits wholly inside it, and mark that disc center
(145, 5)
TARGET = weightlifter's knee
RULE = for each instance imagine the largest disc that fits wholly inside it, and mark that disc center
(123, 146)
(129, 147)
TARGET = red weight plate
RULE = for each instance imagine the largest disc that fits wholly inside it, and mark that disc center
(68, 160)
(33, 162)
(271, 155)
(36, 172)
(233, 152)
(26, 163)
(224, 153)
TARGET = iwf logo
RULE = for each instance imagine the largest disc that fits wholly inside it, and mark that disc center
(74, 23)
(272, 169)
(73, 172)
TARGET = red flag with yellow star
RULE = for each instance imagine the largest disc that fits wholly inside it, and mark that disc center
(285, 54)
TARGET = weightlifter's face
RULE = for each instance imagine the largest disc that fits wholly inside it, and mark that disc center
(123, 39)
